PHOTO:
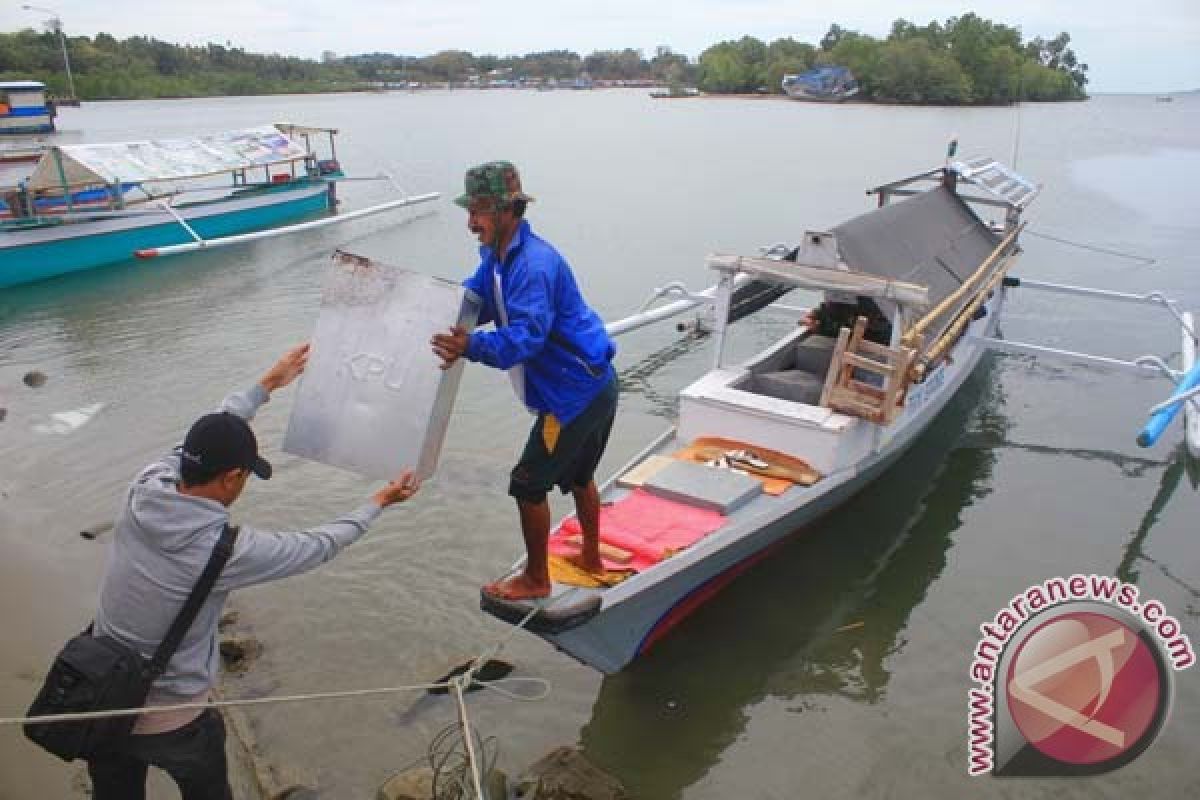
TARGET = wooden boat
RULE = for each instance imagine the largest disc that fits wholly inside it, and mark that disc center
(86, 206)
(933, 273)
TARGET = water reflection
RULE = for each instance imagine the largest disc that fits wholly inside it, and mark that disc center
(821, 617)
(1135, 551)
(637, 378)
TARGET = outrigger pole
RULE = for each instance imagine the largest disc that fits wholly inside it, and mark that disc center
(203, 244)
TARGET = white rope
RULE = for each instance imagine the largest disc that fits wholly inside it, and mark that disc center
(468, 677)
(465, 724)
(458, 684)
(262, 701)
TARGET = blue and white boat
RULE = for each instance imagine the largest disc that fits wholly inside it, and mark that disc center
(87, 206)
(24, 109)
(828, 83)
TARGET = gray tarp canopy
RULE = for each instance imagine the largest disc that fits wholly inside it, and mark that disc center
(931, 239)
(164, 159)
(916, 252)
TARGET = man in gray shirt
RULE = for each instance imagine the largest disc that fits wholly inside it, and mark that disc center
(174, 513)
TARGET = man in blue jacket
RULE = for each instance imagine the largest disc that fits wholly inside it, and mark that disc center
(558, 356)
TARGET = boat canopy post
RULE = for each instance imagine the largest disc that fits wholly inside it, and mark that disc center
(724, 298)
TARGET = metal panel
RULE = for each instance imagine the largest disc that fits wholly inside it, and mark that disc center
(720, 490)
(373, 399)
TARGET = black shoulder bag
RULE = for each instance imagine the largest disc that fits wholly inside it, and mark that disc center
(98, 673)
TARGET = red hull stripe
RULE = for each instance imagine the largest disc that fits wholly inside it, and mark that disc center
(699, 596)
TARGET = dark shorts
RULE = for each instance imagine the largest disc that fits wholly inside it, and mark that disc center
(565, 456)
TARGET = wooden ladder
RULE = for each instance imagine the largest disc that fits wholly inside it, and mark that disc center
(853, 355)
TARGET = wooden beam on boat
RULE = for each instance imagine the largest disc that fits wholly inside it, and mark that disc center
(204, 244)
(912, 336)
(937, 351)
(823, 278)
(890, 188)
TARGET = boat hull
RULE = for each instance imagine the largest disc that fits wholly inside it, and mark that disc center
(634, 617)
(15, 125)
(34, 254)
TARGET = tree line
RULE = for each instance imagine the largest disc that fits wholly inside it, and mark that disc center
(964, 60)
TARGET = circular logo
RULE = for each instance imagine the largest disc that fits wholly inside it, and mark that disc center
(1086, 689)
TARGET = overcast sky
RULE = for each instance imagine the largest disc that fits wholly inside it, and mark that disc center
(1130, 45)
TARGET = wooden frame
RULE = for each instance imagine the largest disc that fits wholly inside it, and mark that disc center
(854, 354)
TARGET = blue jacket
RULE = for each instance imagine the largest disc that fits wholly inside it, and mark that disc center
(551, 331)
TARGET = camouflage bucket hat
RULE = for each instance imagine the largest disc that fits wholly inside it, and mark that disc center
(496, 180)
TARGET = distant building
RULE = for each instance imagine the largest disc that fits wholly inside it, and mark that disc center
(328, 56)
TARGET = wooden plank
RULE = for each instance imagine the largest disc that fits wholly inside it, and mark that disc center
(823, 278)
(848, 401)
(832, 378)
(869, 364)
(636, 476)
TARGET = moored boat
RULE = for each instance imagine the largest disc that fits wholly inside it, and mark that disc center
(914, 288)
(86, 206)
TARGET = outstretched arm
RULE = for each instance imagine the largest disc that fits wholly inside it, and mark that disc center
(261, 556)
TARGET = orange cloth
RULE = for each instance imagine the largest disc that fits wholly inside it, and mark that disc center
(566, 572)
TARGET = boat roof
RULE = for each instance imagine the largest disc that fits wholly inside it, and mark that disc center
(164, 159)
(29, 85)
(1002, 185)
(915, 252)
(292, 129)
(932, 239)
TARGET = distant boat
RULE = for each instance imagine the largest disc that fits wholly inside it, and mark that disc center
(24, 109)
(86, 206)
(1164, 98)
(825, 84)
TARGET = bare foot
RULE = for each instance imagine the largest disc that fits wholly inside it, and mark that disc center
(586, 564)
(522, 587)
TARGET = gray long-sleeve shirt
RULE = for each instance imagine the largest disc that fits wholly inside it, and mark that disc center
(161, 543)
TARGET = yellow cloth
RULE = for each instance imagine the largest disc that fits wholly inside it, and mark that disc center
(550, 430)
(565, 571)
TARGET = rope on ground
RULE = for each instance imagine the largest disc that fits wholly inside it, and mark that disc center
(468, 676)
(458, 684)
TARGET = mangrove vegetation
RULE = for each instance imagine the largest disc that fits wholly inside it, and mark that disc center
(964, 60)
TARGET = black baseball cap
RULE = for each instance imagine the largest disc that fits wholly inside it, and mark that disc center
(221, 441)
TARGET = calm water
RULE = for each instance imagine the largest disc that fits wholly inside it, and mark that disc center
(1032, 472)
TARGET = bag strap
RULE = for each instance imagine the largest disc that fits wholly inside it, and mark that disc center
(187, 614)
